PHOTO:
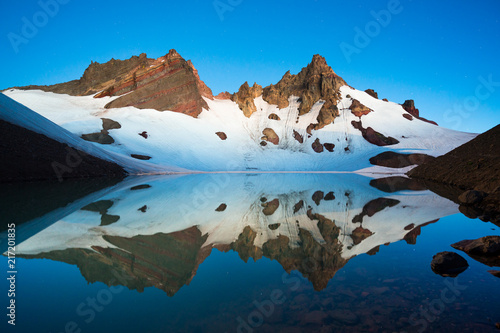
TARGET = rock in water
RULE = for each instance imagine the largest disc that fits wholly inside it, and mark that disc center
(448, 264)
(471, 197)
(495, 273)
(486, 246)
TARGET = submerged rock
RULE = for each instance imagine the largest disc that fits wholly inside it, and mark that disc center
(448, 264)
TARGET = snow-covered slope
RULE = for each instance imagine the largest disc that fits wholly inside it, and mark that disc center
(18, 114)
(178, 140)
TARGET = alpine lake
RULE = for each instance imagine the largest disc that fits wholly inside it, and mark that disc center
(248, 252)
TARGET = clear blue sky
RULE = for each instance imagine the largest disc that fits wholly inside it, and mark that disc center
(431, 51)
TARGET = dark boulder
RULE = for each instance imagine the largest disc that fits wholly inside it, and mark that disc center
(222, 207)
(274, 116)
(141, 157)
(471, 197)
(221, 135)
(101, 137)
(109, 124)
(298, 137)
(317, 146)
(329, 146)
(448, 264)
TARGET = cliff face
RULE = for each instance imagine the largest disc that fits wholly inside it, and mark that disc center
(96, 77)
(167, 83)
(313, 83)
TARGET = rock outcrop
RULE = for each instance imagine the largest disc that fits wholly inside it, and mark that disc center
(372, 136)
(167, 83)
(245, 96)
(484, 246)
(359, 109)
(317, 146)
(409, 106)
(313, 83)
(397, 160)
(221, 135)
(485, 249)
(372, 93)
(270, 136)
(224, 95)
(97, 77)
(471, 197)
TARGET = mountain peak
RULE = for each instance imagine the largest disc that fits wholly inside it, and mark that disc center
(173, 55)
(319, 62)
(317, 66)
(317, 81)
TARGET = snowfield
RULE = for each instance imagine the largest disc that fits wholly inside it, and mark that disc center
(177, 142)
(18, 114)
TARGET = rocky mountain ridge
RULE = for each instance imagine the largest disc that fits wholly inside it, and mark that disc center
(309, 121)
(172, 83)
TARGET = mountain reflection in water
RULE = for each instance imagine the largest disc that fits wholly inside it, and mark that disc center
(156, 231)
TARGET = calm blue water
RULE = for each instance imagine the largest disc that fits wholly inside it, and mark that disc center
(197, 281)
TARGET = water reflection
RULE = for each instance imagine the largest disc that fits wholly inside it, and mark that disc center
(156, 231)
